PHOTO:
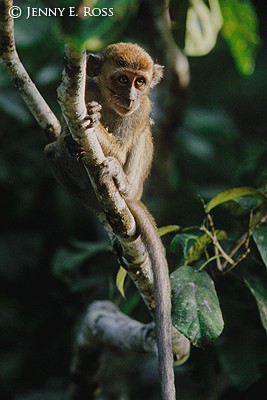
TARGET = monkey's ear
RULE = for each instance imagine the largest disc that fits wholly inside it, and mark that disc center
(94, 64)
(157, 74)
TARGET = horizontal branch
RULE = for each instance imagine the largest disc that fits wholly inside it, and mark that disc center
(105, 325)
(25, 86)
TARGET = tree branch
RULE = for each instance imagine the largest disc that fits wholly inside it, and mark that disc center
(71, 97)
(105, 325)
(26, 88)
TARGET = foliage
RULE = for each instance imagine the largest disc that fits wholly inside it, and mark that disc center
(225, 252)
(240, 30)
(196, 312)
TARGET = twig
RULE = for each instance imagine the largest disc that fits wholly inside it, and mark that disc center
(243, 241)
(215, 241)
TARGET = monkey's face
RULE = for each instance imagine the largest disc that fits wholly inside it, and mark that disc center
(125, 89)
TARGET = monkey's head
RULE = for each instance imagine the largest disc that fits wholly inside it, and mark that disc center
(125, 74)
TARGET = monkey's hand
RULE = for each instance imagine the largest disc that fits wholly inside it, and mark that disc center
(93, 114)
(112, 169)
(92, 117)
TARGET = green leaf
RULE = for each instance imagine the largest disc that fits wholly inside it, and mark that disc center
(231, 194)
(241, 32)
(120, 279)
(260, 238)
(197, 249)
(183, 240)
(196, 311)
(193, 245)
(168, 229)
(257, 284)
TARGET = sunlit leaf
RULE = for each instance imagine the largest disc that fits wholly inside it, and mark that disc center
(120, 279)
(260, 238)
(231, 194)
(196, 311)
(241, 32)
(201, 242)
(193, 245)
(168, 229)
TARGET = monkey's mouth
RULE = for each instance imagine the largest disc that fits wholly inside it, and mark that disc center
(123, 110)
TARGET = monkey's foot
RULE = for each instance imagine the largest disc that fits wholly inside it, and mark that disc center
(93, 114)
(74, 149)
(112, 169)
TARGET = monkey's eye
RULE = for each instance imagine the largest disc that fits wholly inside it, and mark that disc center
(139, 82)
(123, 79)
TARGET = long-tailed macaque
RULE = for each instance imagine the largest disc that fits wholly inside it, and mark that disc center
(119, 80)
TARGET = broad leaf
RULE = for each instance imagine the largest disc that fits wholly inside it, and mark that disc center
(260, 238)
(183, 240)
(231, 194)
(240, 30)
(196, 311)
(257, 284)
(197, 249)
(193, 245)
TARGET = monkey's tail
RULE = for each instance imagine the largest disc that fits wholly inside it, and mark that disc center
(149, 233)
